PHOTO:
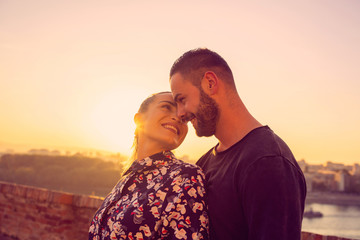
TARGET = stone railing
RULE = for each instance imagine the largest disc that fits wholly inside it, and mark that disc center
(36, 213)
(313, 236)
(29, 213)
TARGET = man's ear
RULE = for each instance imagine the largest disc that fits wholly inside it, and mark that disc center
(210, 83)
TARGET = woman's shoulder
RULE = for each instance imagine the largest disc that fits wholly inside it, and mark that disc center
(173, 166)
(186, 167)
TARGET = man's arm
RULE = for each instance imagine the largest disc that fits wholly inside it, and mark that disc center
(273, 195)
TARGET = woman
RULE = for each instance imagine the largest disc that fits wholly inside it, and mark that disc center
(159, 196)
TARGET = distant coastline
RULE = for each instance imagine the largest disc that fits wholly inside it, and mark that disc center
(335, 198)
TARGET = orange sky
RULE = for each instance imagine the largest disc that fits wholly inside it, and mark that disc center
(73, 73)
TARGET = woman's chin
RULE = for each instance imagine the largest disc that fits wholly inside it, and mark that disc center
(171, 146)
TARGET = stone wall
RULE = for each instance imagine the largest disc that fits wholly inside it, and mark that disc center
(35, 213)
(313, 236)
(30, 213)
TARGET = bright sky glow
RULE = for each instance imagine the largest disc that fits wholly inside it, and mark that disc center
(73, 73)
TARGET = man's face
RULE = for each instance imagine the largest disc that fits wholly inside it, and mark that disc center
(194, 105)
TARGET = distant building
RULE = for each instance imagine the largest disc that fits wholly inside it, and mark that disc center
(302, 165)
(331, 177)
(343, 178)
(309, 181)
(337, 166)
(314, 167)
(355, 184)
(355, 170)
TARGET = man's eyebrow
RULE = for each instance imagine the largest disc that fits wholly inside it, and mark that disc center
(170, 102)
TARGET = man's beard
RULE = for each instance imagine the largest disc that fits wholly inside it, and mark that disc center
(206, 116)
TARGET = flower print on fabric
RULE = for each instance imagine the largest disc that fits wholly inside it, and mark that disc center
(159, 197)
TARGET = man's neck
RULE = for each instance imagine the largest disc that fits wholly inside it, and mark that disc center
(233, 125)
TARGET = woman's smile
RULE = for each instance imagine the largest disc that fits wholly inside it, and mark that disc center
(172, 127)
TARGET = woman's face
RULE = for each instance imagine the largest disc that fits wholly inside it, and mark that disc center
(160, 126)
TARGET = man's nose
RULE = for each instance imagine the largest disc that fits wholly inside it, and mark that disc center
(180, 112)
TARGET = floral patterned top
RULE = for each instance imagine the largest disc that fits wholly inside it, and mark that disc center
(159, 197)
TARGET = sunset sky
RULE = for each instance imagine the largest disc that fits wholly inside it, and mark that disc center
(73, 73)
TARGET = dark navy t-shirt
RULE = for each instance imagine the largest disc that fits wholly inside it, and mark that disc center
(256, 190)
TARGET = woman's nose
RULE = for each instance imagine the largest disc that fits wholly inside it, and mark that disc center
(176, 118)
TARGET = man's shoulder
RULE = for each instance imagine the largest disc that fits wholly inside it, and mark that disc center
(264, 142)
(251, 141)
(256, 144)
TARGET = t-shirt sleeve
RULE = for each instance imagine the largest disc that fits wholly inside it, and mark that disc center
(273, 195)
(185, 212)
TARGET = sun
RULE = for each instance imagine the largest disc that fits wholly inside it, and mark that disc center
(112, 121)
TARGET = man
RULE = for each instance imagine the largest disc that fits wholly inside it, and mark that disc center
(255, 187)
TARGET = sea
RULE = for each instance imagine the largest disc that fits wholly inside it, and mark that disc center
(337, 220)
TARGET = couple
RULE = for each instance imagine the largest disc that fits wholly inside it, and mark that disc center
(248, 186)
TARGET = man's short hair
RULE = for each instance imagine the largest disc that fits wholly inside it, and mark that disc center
(194, 63)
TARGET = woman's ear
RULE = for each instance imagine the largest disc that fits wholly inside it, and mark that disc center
(137, 119)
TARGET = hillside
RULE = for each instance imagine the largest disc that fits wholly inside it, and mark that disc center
(75, 174)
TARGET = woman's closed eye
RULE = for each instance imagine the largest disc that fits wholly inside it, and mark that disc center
(167, 107)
